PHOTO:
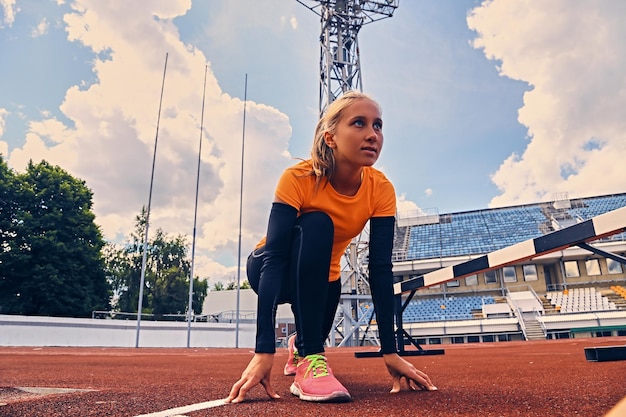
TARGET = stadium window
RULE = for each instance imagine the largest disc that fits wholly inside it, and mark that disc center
(454, 283)
(458, 339)
(489, 338)
(593, 267)
(530, 272)
(504, 338)
(571, 269)
(473, 339)
(508, 274)
(613, 266)
(471, 280)
(491, 277)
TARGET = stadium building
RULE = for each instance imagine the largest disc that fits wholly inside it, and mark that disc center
(559, 295)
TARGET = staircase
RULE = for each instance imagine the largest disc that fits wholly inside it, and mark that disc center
(548, 308)
(533, 331)
(401, 243)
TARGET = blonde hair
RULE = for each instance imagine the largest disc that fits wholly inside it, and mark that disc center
(323, 159)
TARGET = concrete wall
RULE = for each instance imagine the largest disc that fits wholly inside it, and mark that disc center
(59, 331)
(56, 331)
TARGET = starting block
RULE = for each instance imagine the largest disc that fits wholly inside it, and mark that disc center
(605, 353)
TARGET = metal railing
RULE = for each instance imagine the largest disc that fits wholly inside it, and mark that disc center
(122, 315)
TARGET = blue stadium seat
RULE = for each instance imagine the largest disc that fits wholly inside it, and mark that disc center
(484, 231)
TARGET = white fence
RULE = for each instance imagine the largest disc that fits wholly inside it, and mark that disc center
(57, 331)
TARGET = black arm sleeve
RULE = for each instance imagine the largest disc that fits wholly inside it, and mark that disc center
(273, 273)
(381, 279)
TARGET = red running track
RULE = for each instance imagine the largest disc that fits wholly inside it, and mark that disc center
(545, 378)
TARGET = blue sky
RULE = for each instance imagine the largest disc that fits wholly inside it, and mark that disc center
(485, 104)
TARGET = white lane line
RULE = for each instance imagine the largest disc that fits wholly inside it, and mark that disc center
(173, 412)
(48, 391)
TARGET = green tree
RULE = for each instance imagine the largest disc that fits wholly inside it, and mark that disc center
(52, 263)
(8, 207)
(123, 266)
(167, 273)
(9, 221)
(231, 285)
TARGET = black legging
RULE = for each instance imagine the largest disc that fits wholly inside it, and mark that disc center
(313, 298)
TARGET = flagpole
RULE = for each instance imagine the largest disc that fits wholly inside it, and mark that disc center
(145, 237)
(243, 141)
(195, 217)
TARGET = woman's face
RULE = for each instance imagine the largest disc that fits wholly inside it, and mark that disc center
(358, 137)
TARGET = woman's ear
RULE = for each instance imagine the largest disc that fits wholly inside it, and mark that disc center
(329, 139)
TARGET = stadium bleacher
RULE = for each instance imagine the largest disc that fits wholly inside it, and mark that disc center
(438, 308)
(475, 232)
(621, 292)
(484, 231)
(576, 300)
(449, 308)
(591, 207)
(579, 300)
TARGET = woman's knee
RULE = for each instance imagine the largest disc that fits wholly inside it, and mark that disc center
(253, 268)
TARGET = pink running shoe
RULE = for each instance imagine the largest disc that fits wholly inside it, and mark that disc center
(315, 381)
(293, 358)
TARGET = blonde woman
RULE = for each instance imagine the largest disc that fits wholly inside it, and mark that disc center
(320, 205)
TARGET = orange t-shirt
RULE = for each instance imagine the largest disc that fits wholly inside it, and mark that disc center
(376, 197)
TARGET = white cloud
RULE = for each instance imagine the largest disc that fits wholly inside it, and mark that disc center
(261, 16)
(41, 28)
(4, 146)
(111, 140)
(428, 192)
(291, 21)
(407, 208)
(3, 114)
(574, 112)
(9, 10)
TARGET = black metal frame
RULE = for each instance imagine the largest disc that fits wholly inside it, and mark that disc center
(402, 335)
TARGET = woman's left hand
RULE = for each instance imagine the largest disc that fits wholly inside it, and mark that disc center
(400, 368)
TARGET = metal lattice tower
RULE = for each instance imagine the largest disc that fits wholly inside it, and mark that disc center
(340, 71)
(341, 20)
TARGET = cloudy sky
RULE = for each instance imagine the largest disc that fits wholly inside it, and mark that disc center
(485, 104)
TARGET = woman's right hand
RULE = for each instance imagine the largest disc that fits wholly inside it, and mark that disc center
(258, 371)
(400, 368)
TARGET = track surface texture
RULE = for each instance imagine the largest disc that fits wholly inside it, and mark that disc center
(544, 378)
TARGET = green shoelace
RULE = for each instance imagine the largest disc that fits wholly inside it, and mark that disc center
(317, 365)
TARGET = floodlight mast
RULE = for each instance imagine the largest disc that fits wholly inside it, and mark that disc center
(340, 71)
(341, 20)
